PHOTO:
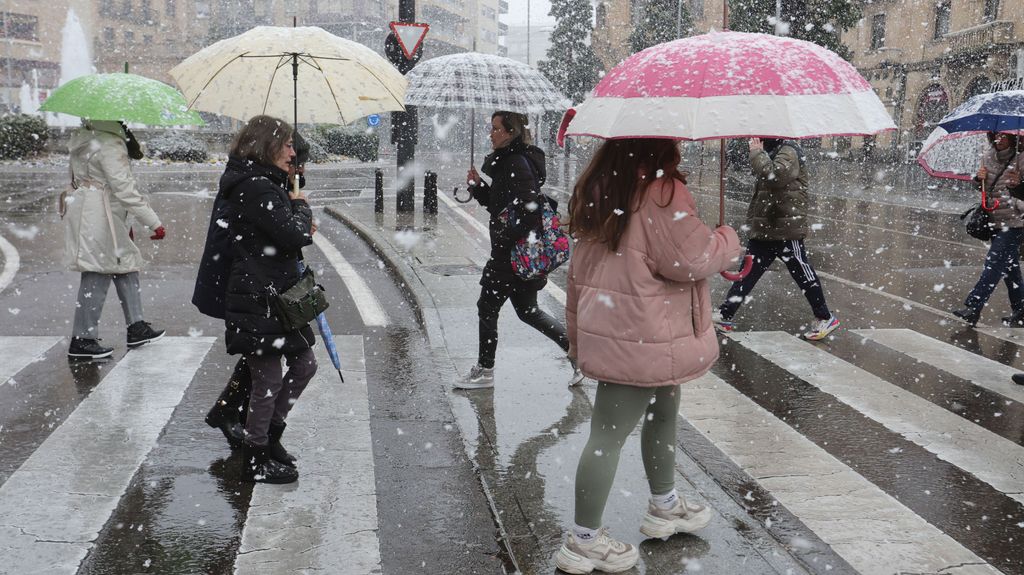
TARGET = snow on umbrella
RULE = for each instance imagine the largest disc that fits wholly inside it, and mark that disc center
(954, 156)
(995, 112)
(122, 97)
(264, 70)
(730, 85)
(475, 81)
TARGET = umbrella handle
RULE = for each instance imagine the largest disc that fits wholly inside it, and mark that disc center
(984, 200)
(455, 194)
(748, 264)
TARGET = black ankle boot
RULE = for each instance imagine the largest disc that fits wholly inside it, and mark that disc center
(258, 467)
(1015, 320)
(969, 315)
(226, 414)
(277, 451)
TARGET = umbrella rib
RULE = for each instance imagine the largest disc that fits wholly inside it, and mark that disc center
(270, 86)
(212, 78)
(331, 88)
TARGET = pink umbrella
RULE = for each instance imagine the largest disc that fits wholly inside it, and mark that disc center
(957, 156)
(730, 85)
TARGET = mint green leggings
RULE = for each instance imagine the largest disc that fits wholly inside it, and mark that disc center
(616, 410)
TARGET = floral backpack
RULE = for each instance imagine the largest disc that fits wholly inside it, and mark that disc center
(535, 257)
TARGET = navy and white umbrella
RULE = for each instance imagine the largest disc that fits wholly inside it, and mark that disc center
(995, 112)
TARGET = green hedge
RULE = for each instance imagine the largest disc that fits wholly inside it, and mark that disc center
(352, 142)
(21, 136)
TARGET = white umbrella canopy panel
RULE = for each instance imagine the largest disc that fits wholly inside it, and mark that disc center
(477, 81)
(339, 80)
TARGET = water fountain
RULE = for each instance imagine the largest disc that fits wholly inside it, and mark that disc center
(75, 61)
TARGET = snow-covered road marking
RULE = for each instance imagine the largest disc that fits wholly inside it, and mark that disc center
(16, 352)
(867, 527)
(555, 291)
(327, 522)
(989, 457)
(11, 263)
(367, 304)
(977, 369)
(54, 506)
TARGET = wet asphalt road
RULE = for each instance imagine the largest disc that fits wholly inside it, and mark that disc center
(889, 257)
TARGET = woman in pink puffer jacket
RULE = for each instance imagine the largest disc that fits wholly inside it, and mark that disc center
(638, 314)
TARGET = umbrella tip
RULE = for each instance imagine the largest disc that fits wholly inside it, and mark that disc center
(341, 376)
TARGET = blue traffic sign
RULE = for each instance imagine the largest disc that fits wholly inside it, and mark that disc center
(373, 120)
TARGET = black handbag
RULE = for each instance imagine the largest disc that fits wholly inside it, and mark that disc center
(978, 223)
(296, 306)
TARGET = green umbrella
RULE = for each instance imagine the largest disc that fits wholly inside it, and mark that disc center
(125, 97)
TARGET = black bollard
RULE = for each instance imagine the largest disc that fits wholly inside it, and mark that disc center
(430, 193)
(378, 191)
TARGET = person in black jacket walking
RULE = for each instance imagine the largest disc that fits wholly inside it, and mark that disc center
(517, 172)
(268, 227)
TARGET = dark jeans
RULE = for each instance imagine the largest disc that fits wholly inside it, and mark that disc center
(794, 255)
(1001, 263)
(273, 395)
(493, 294)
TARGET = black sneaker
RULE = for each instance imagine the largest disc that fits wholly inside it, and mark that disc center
(142, 332)
(1018, 378)
(88, 348)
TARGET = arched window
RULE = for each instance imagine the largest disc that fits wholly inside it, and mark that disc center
(602, 15)
(931, 107)
(979, 85)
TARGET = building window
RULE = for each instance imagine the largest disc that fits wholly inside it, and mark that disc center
(170, 8)
(942, 11)
(991, 10)
(697, 8)
(979, 85)
(202, 9)
(877, 31)
(106, 7)
(108, 38)
(19, 26)
(129, 38)
(146, 11)
(126, 9)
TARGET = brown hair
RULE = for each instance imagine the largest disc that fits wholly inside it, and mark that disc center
(605, 194)
(516, 124)
(260, 139)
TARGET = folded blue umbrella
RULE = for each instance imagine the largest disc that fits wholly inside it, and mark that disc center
(995, 112)
(328, 336)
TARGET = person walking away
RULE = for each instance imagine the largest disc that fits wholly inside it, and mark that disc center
(97, 234)
(1000, 172)
(228, 412)
(638, 311)
(269, 225)
(777, 217)
(517, 172)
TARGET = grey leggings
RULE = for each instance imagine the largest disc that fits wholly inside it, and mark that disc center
(92, 293)
(273, 395)
(616, 411)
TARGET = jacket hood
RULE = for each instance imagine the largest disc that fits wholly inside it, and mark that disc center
(241, 169)
(533, 154)
(90, 129)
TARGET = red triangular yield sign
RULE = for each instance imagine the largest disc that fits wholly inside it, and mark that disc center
(410, 35)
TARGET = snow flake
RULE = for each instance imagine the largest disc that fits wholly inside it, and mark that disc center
(278, 343)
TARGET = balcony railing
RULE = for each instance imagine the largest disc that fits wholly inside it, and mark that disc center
(980, 37)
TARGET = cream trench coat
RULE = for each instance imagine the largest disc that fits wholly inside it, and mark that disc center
(96, 219)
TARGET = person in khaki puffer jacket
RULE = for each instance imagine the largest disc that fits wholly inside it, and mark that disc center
(638, 315)
(96, 233)
(777, 217)
(1000, 171)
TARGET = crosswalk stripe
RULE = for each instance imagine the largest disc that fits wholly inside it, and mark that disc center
(328, 520)
(54, 506)
(870, 529)
(18, 352)
(367, 304)
(979, 370)
(972, 448)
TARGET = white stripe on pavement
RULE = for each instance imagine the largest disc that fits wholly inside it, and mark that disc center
(552, 289)
(54, 506)
(327, 522)
(19, 351)
(11, 263)
(989, 457)
(868, 528)
(369, 308)
(977, 369)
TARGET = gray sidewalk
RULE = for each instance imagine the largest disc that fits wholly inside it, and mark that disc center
(525, 435)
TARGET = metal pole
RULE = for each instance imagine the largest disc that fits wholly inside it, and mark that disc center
(406, 134)
(528, 63)
(472, 137)
(679, 18)
(378, 191)
(430, 193)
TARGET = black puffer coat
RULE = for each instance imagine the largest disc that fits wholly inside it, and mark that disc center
(517, 172)
(268, 231)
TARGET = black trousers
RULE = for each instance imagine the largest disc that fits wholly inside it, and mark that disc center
(794, 255)
(494, 293)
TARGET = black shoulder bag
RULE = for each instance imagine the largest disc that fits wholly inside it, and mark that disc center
(978, 221)
(296, 306)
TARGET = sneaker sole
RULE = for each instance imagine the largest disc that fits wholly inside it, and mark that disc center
(658, 528)
(145, 341)
(576, 564)
(471, 386)
(819, 337)
(91, 355)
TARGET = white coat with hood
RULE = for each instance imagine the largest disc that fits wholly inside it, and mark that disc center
(96, 222)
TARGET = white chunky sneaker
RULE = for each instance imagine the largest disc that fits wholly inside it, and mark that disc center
(684, 517)
(602, 553)
(822, 328)
(577, 375)
(477, 378)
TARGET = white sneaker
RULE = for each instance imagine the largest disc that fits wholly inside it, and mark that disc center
(602, 553)
(684, 517)
(477, 378)
(577, 375)
(721, 324)
(822, 328)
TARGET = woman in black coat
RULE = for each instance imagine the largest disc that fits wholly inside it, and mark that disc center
(268, 227)
(517, 172)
